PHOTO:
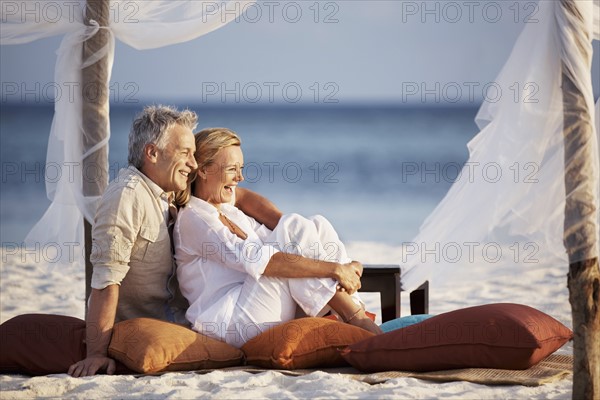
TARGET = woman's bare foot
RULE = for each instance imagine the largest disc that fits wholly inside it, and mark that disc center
(361, 320)
(343, 304)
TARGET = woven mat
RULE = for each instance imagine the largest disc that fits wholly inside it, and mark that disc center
(553, 368)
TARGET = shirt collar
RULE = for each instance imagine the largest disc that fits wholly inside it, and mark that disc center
(156, 190)
(202, 205)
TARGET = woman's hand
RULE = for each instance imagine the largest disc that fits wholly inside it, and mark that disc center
(348, 276)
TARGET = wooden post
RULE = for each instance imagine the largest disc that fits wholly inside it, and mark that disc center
(580, 236)
(95, 94)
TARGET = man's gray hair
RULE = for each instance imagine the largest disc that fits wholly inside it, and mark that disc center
(150, 127)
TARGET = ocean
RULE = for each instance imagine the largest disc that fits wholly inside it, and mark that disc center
(375, 172)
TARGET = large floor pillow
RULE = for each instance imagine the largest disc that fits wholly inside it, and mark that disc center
(149, 346)
(505, 336)
(303, 343)
(41, 344)
(403, 322)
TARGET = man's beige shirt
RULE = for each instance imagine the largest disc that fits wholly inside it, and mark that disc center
(132, 248)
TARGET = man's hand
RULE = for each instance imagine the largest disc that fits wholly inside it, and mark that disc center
(91, 365)
(99, 324)
(348, 276)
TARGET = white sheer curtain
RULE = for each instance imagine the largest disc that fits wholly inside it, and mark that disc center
(141, 24)
(506, 211)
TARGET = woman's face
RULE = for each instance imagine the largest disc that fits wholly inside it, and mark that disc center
(220, 178)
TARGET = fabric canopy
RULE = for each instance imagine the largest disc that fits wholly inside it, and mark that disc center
(506, 211)
(140, 24)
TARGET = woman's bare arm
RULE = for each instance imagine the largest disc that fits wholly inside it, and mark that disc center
(286, 265)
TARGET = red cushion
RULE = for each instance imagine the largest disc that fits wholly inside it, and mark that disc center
(506, 336)
(41, 344)
(303, 343)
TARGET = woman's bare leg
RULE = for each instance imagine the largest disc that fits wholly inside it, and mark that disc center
(353, 314)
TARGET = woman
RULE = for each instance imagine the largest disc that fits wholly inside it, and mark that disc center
(239, 277)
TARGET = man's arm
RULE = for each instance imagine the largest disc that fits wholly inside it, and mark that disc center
(258, 207)
(99, 324)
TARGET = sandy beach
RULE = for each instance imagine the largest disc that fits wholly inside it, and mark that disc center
(389, 97)
(29, 286)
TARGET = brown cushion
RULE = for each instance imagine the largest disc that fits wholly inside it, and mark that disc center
(41, 344)
(506, 336)
(148, 345)
(303, 343)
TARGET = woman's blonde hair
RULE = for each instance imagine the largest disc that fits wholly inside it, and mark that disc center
(208, 143)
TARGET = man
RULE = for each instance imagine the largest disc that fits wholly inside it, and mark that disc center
(134, 272)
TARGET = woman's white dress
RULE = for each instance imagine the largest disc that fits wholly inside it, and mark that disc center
(221, 275)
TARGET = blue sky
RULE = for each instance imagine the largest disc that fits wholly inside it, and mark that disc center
(409, 52)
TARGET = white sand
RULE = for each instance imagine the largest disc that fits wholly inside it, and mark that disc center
(27, 286)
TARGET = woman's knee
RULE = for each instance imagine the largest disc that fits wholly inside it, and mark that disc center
(293, 220)
(296, 226)
(320, 221)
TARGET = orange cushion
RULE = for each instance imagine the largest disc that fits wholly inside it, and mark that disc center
(148, 346)
(303, 343)
(506, 336)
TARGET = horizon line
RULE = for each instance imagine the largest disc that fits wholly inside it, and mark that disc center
(189, 104)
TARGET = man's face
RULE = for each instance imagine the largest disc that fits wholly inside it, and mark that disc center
(175, 162)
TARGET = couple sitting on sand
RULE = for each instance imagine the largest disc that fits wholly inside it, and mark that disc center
(241, 265)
